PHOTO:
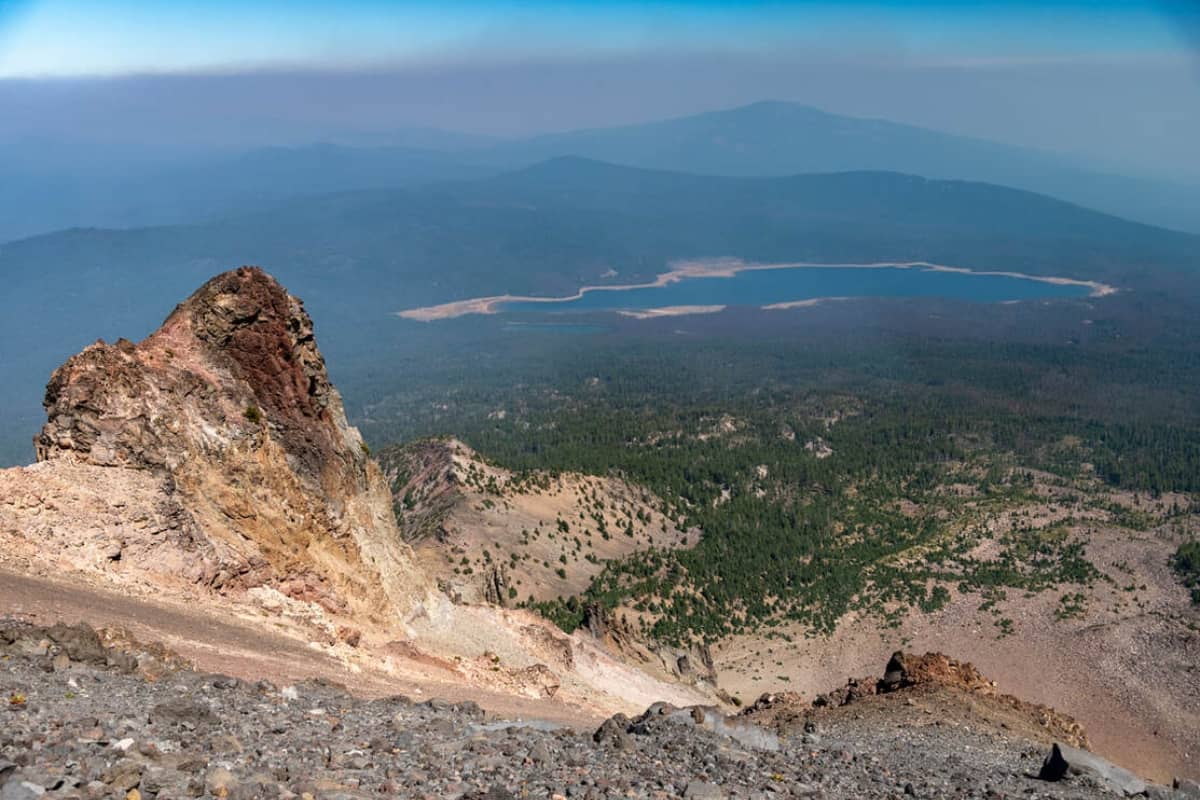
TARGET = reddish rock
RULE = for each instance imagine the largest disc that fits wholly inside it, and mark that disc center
(229, 408)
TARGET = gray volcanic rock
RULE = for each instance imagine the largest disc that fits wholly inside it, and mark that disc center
(1187, 789)
(1064, 759)
(95, 732)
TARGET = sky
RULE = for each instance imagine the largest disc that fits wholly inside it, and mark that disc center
(1113, 82)
(114, 37)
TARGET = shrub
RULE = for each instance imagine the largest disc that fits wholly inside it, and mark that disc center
(1187, 565)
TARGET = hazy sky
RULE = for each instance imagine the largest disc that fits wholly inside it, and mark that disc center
(1115, 81)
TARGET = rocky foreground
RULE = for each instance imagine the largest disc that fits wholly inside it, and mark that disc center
(85, 718)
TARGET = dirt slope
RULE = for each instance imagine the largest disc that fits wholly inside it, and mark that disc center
(488, 535)
(1127, 665)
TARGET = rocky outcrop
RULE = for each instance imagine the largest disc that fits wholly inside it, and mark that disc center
(925, 682)
(909, 669)
(496, 585)
(60, 647)
(223, 429)
(1064, 760)
(425, 486)
(691, 665)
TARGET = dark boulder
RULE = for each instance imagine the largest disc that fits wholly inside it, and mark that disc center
(1064, 760)
(614, 733)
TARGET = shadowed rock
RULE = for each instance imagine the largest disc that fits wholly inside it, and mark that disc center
(1065, 760)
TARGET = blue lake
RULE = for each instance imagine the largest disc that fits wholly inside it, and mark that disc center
(552, 327)
(770, 286)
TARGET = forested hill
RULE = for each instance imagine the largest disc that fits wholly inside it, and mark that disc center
(550, 228)
(46, 189)
(544, 230)
(844, 215)
(49, 187)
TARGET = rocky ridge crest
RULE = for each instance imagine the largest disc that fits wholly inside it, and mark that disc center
(934, 685)
(489, 535)
(223, 430)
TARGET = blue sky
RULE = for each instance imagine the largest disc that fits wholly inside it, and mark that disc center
(116, 37)
(1116, 83)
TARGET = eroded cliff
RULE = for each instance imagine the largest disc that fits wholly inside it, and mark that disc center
(216, 454)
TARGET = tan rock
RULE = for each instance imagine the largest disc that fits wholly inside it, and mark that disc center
(214, 453)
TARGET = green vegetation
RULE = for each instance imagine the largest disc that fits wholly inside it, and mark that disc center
(252, 414)
(1187, 564)
(831, 476)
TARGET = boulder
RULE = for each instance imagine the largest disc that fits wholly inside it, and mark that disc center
(182, 711)
(699, 790)
(1188, 789)
(21, 790)
(80, 642)
(614, 733)
(1065, 760)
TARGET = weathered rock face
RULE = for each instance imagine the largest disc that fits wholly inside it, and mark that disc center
(229, 408)
(239, 357)
(693, 665)
(909, 669)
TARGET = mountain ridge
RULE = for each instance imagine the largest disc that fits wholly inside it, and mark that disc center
(765, 139)
(779, 137)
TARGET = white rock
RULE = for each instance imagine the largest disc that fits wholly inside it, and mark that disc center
(21, 790)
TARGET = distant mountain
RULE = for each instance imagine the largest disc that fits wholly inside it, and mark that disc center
(547, 229)
(50, 187)
(39, 197)
(775, 139)
(438, 139)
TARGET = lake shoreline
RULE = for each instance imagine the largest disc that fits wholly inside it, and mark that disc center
(722, 268)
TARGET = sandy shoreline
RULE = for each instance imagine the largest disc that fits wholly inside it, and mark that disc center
(669, 311)
(808, 303)
(722, 268)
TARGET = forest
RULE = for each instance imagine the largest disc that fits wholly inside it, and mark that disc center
(801, 458)
(1187, 564)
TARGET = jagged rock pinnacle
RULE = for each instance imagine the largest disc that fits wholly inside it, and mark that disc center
(230, 404)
